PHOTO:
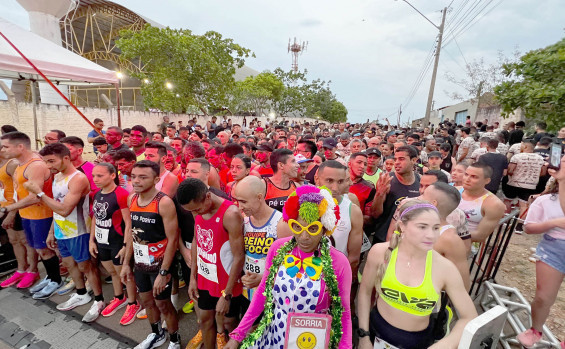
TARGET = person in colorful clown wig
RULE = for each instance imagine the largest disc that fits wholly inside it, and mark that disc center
(306, 279)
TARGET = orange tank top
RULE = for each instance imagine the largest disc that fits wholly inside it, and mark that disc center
(35, 211)
(7, 186)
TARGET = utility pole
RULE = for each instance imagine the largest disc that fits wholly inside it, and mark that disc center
(434, 73)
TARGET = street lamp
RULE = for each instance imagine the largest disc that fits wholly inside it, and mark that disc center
(436, 62)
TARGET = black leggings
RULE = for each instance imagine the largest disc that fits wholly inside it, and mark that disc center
(379, 327)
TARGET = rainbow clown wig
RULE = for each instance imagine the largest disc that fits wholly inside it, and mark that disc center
(312, 204)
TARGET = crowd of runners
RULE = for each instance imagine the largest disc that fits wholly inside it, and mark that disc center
(287, 234)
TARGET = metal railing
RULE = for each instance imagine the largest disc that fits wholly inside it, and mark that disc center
(486, 262)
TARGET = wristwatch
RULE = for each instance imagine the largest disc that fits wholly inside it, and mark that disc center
(226, 296)
(39, 195)
(362, 333)
(164, 272)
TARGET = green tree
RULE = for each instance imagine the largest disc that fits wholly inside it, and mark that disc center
(293, 96)
(536, 84)
(183, 70)
(262, 90)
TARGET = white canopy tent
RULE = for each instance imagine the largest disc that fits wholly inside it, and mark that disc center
(60, 65)
(57, 64)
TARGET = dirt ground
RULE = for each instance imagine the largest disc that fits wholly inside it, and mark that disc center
(517, 271)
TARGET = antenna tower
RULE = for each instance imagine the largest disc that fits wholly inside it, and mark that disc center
(296, 48)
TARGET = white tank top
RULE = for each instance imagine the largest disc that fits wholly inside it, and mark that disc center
(472, 209)
(340, 235)
(76, 223)
(258, 240)
(444, 228)
(159, 184)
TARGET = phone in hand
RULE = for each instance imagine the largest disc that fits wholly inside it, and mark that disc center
(555, 156)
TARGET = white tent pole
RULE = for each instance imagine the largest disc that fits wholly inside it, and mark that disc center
(34, 101)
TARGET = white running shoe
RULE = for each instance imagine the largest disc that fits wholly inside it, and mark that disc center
(94, 311)
(173, 345)
(152, 341)
(74, 301)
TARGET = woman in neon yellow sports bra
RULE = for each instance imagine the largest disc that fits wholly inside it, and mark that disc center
(408, 277)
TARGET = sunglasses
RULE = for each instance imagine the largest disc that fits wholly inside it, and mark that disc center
(312, 229)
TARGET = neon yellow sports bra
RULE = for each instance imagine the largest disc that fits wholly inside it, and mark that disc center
(419, 300)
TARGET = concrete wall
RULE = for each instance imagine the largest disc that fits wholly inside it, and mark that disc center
(491, 113)
(68, 120)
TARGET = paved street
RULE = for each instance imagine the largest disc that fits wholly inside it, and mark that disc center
(32, 324)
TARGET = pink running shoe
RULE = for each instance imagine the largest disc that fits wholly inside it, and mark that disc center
(130, 313)
(28, 280)
(529, 337)
(114, 305)
(12, 280)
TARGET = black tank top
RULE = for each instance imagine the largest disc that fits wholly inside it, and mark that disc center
(148, 232)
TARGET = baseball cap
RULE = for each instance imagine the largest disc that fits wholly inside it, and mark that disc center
(259, 129)
(301, 159)
(356, 134)
(329, 143)
(373, 151)
(434, 154)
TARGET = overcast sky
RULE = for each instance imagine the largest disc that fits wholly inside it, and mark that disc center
(371, 50)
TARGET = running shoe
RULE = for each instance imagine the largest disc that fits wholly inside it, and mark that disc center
(114, 305)
(142, 314)
(68, 287)
(196, 341)
(74, 301)
(221, 341)
(48, 290)
(108, 280)
(14, 279)
(188, 307)
(28, 280)
(130, 313)
(529, 337)
(95, 310)
(174, 345)
(152, 341)
(40, 285)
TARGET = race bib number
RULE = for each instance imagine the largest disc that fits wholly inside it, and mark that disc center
(101, 235)
(254, 265)
(382, 344)
(366, 246)
(307, 331)
(207, 270)
(141, 254)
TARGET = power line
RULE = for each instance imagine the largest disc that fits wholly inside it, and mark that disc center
(461, 22)
(425, 68)
(471, 23)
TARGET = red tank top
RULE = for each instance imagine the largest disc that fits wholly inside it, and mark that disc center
(214, 253)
